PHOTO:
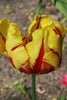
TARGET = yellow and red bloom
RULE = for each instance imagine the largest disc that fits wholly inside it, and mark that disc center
(40, 51)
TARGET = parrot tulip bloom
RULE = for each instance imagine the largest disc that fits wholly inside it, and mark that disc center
(64, 80)
(40, 51)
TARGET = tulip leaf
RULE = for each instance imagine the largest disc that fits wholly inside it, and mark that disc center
(64, 19)
(62, 97)
(62, 6)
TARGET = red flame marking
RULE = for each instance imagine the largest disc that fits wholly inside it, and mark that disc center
(55, 52)
(25, 62)
(37, 65)
(23, 70)
(15, 47)
(23, 38)
(47, 68)
(57, 55)
(10, 59)
(57, 31)
(38, 23)
(26, 67)
(4, 40)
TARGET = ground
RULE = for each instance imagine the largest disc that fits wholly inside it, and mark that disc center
(47, 86)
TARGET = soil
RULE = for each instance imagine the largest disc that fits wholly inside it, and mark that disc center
(47, 87)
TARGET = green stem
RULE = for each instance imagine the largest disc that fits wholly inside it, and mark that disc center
(33, 88)
(38, 7)
(55, 2)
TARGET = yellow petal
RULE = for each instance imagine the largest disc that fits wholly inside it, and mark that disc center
(19, 56)
(4, 25)
(33, 47)
(45, 21)
(62, 28)
(46, 35)
(2, 47)
(55, 42)
(33, 25)
(52, 59)
(14, 38)
(57, 24)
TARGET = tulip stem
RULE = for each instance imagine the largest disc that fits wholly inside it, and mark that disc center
(33, 88)
(38, 7)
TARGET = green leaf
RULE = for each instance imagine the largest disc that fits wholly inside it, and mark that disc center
(15, 83)
(65, 45)
(19, 86)
(64, 19)
(7, 9)
(62, 97)
(62, 6)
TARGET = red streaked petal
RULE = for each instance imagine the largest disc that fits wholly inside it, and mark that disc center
(54, 52)
(37, 65)
(23, 38)
(46, 68)
(57, 31)
(25, 63)
(25, 67)
(54, 30)
(16, 47)
(57, 55)
(23, 70)
(38, 23)
(4, 40)
(40, 58)
(10, 59)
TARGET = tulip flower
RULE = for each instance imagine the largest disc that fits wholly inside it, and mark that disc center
(40, 51)
(64, 80)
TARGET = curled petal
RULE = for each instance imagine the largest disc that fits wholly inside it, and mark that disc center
(15, 36)
(62, 28)
(4, 25)
(45, 21)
